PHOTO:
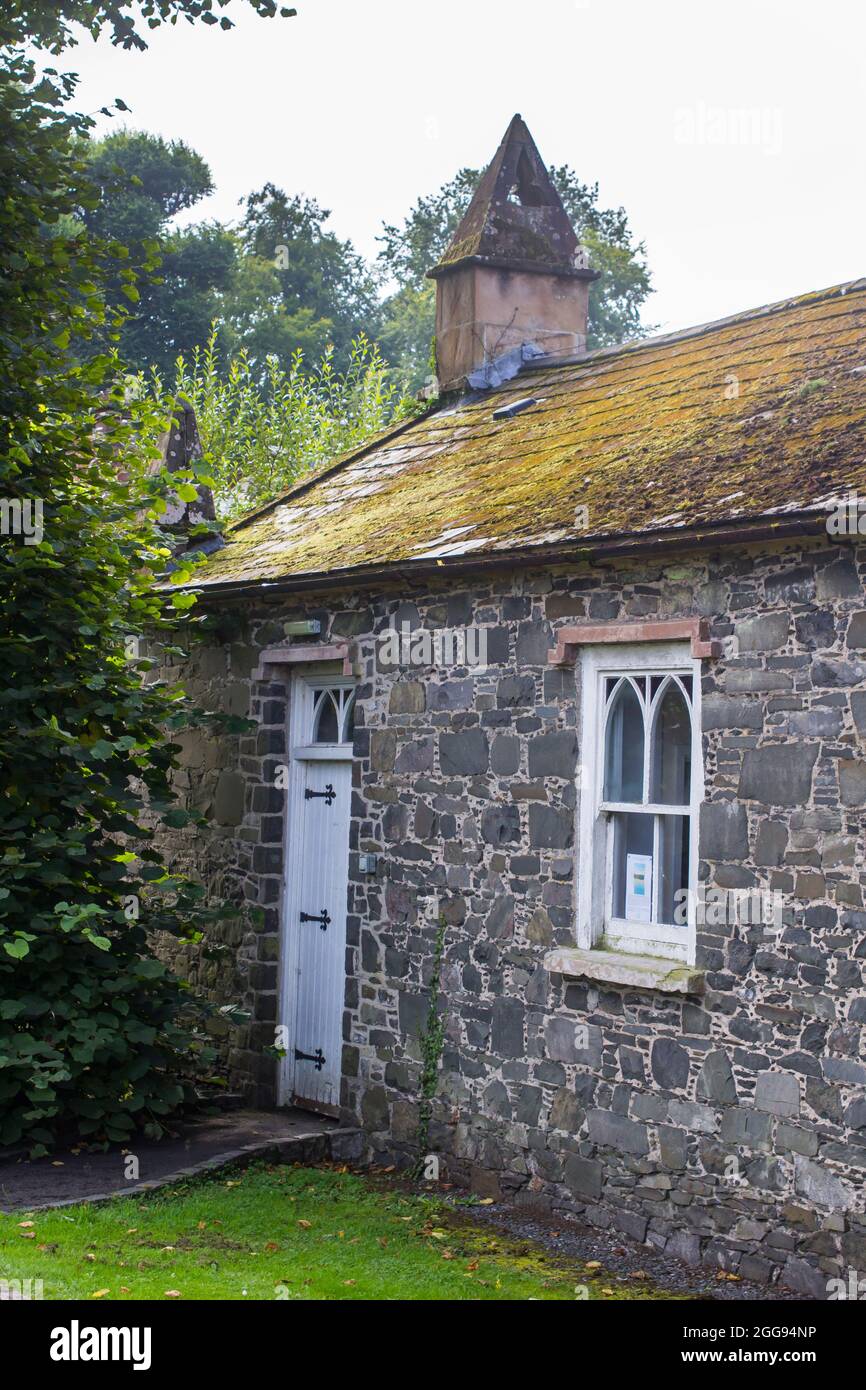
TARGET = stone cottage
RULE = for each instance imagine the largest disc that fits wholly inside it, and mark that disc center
(574, 665)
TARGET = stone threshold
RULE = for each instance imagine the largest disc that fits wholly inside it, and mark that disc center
(622, 968)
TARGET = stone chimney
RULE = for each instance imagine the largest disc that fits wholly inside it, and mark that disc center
(513, 282)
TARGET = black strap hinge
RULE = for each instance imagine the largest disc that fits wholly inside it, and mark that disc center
(322, 918)
(329, 794)
(316, 1057)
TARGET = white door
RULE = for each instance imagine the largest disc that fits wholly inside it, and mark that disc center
(315, 891)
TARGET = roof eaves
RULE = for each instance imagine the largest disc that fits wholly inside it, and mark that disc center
(771, 525)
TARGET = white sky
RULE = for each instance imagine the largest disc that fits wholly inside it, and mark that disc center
(733, 133)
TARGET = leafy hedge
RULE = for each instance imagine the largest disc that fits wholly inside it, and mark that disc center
(96, 1038)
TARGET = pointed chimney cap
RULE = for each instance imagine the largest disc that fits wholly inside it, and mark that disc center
(516, 219)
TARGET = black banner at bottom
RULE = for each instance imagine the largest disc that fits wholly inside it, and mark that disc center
(203, 1338)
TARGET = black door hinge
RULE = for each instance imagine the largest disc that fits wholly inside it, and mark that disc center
(316, 1057)
(322, 918)
(329, 794)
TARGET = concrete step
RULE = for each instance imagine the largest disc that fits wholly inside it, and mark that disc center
(232, 1137)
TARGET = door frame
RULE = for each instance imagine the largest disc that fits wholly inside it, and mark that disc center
(305, 682)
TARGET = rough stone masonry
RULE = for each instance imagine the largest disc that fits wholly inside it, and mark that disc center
(727, 1128)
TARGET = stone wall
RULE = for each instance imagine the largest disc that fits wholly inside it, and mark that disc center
(729, 1129)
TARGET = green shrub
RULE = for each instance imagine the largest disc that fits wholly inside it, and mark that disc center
(94, 1039)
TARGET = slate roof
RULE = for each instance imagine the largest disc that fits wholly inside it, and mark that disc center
(762, 415)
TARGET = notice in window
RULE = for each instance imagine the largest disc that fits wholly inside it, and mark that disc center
(638, 887)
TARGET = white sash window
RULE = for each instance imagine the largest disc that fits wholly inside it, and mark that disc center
(641, 786)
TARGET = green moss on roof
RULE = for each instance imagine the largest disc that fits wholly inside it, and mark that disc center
(757, 415)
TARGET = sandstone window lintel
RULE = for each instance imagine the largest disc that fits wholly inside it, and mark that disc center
(568, 639)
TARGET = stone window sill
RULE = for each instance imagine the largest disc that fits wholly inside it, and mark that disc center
(620, 968)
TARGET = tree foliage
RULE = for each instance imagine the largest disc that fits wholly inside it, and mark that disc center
(48, 23)
(93, 1040)
(318, 275)
(144, 182)
(260, 434)
(278, 283)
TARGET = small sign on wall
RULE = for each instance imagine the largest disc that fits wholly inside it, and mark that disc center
(638, 887)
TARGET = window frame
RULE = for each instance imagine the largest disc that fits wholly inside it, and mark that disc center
(307, 686)
(596, 926)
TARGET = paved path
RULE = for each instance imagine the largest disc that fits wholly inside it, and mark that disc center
(234, 1136)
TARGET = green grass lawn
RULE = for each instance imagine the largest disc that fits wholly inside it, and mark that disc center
(288, 1233)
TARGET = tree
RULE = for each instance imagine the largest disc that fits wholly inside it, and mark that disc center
(411, 249)
(93, 1040)
(253, 318)
(282, 283)
(317, 273)
(144, 182)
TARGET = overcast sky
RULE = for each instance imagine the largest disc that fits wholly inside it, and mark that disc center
(733, 133)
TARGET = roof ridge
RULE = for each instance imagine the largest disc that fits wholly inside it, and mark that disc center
(542, 364)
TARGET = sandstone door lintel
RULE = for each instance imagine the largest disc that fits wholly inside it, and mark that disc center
(304, 654)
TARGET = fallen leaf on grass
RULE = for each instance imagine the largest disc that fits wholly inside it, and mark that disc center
(173, 1293)
(306, 1225)
(100, 1293)
(271, 1245)
(26, 1223)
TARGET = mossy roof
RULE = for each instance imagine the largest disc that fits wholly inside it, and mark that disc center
(755, 416)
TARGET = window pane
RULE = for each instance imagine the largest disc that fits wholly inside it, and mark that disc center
(326, 722)
(674, 867)
(349, 720)
(632, 866)
(671, 764)
(623, 769)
